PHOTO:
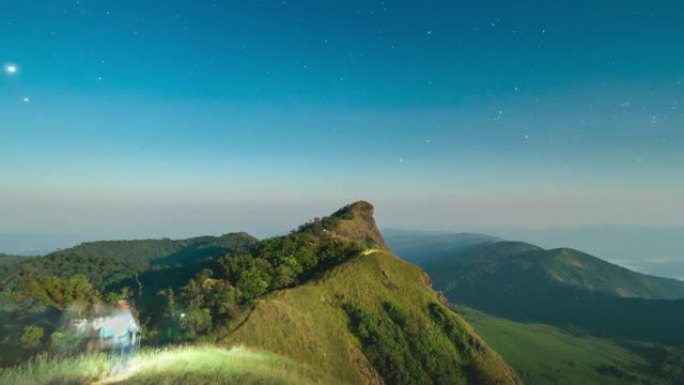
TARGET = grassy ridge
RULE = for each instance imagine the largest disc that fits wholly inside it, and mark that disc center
(309, 323)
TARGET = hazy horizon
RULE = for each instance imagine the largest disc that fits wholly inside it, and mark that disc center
(648, 249)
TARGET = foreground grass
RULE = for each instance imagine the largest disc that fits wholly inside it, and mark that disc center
(545, 355)
(197, 365)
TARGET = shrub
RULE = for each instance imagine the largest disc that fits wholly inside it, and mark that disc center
(31, 337)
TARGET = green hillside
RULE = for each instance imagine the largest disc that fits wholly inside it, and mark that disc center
(403, 339)
(371, 319)
(328, 296)
(545, 355)
(38, 291)
(514, 264)
(108, 262)
(160, 251)
(562, 287)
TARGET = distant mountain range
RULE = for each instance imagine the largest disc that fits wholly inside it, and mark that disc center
(109, 262)
(515, 265)
(562, 287)
(6, 259)
(583, 296)
(647, 249)
(425, 246)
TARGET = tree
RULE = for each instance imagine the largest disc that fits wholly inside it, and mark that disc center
(196, 321)
(74, 292)
(252, 283)
(284, 277)
(31, 337)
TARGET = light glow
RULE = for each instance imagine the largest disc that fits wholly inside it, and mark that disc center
(11, 69)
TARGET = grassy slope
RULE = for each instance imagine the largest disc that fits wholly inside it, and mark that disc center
(308, 324)
(198, 365)
(545, 355)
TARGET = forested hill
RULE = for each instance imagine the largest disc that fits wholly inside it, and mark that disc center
(518, 266)
(7, 259)
(356, 311)
(107, 262)
(562, 287)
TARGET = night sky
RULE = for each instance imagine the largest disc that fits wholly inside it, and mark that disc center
(141, 118)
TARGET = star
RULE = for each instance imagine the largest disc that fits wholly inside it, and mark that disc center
(25, 99)
(11, 69)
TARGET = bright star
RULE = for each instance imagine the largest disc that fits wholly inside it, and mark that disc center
(25, 99)
(11, 69)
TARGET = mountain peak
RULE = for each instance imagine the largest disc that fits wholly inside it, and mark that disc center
(358, 224)
(359, 210)
(354, 221)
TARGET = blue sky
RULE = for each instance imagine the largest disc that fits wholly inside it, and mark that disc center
(141, 118)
